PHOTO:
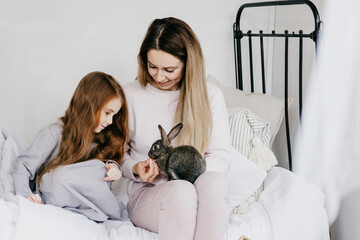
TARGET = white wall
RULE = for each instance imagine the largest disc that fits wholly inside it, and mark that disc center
(46, 47)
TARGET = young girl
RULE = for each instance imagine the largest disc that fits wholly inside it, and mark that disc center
(171, 88)
(72, 161)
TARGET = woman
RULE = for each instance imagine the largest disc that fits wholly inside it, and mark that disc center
(171, 88)
(68, 157)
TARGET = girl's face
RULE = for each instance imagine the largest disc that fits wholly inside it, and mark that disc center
(165, 69)
(107, 113)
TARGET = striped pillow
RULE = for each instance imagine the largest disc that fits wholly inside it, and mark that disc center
(244, 126)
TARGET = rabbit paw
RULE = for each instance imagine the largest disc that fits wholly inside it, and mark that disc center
(172, 174)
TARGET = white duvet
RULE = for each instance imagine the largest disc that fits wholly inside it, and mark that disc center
(288, 208)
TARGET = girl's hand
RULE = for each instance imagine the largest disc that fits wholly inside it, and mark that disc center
(113, 172)
(147, 170)
(35, 198)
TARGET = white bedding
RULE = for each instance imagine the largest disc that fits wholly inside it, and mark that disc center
(288, 208)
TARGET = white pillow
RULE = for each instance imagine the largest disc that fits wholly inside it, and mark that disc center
(244, 178)
(250, 135)
(265, 106)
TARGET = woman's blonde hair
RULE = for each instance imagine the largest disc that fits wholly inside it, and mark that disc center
(82, 117)
(175, 37)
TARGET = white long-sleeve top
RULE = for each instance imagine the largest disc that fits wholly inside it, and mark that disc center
(149, 107)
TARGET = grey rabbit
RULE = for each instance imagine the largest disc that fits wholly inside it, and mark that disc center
(182, 162)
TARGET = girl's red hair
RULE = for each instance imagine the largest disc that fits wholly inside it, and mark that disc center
(81, 118)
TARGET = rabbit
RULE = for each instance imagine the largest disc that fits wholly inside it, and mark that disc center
(182, 162)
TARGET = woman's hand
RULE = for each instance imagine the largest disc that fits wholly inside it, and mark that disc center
(147, 170)
(112, 172)
(35, 198)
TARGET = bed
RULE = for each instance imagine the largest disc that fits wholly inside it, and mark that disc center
(280, 205)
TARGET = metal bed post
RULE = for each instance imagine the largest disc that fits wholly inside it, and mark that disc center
(239, 35)
(238, 62)
(301, 44)
(251, 62)
(262, 62)
(287, 127)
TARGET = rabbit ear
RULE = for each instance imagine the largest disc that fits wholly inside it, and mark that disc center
(164, 139)
(174, 131)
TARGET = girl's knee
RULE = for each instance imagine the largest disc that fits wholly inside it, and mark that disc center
(53, 190)
(88, 171)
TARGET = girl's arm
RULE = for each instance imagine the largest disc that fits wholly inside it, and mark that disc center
(35, 198)
(113, 171)
(31, 159)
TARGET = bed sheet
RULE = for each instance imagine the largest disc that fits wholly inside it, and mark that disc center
(288, 208)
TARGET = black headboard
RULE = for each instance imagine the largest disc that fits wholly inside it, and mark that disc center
(241, 35)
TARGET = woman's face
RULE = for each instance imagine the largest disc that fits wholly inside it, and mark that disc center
(107, 113)
(165, 69)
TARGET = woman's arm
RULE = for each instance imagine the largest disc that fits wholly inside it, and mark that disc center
(138, 171)
(218, 154)
(127, 164)
(31, 159)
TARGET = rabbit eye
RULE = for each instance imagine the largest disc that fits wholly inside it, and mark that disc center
(155, 147)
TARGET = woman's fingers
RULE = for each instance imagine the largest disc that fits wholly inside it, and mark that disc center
(147, 170)
(155, 171)
(144, 170)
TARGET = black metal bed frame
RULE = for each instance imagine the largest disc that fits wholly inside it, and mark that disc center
(239, 35)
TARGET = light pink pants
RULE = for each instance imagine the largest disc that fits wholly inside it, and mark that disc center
(181, 210)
